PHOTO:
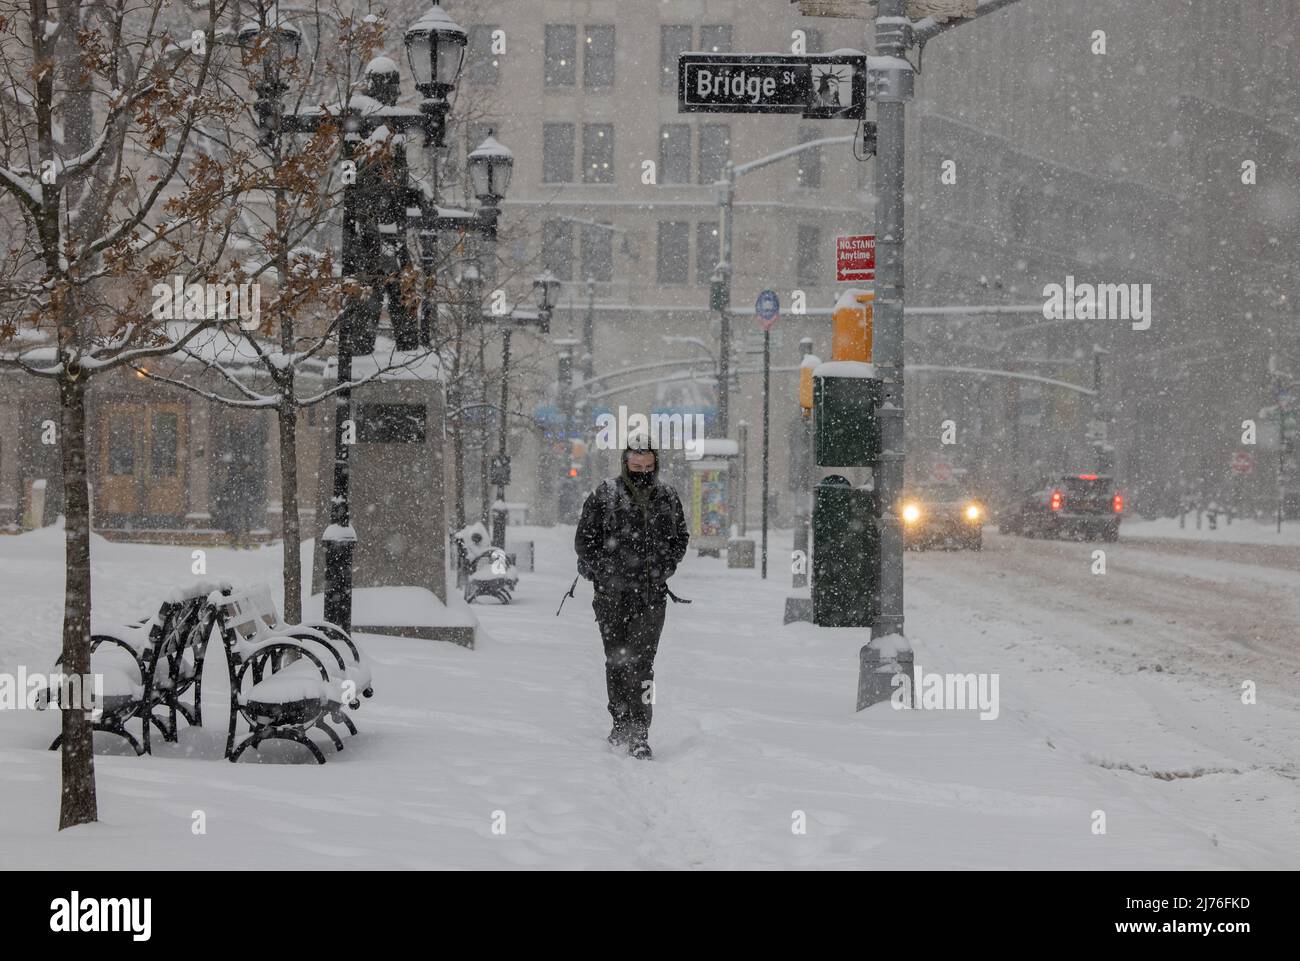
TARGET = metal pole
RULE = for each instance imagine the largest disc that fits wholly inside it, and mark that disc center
(767, 433)
(341, 539)
(1281, 456)
(498, 509)
(803, 482)
(567, 484)
(485, 490)
(742, 484)
(589, 333)
(889, 302)
(727, 216)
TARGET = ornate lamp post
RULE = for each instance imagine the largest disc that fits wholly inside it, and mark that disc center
(436, 47)
(547, 287)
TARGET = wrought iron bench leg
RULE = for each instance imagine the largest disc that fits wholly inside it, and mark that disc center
(347, 722)
(338, 744)
(257, 738)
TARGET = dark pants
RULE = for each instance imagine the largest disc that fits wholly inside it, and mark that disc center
(630, 631)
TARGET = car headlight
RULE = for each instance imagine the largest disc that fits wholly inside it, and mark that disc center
(911, 514)
(973, 512)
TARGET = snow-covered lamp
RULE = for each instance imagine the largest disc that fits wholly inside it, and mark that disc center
(435, 45)
(490, 168)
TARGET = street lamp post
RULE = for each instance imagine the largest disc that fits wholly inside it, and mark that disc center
(547, 285)
(436, 47)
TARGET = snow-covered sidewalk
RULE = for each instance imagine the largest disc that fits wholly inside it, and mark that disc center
(754, 733)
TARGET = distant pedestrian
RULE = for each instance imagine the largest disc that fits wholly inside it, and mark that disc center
(630, 539)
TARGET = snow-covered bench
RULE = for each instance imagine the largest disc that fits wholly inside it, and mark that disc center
(487, 570)
(315, 671)
(148, 665)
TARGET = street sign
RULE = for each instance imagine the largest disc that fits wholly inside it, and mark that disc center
(855, 258)
(941, 10)
(1242, 462)
(941, 472)
(768, 308)
(818, 87)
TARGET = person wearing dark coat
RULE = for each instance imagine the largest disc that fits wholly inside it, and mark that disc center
(630, 539)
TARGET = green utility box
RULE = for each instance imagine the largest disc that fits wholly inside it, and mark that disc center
(846, 555)
(844, 412)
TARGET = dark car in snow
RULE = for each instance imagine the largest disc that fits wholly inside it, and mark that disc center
(1086, 506)
(941, 515)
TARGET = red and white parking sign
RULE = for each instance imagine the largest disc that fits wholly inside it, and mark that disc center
(855, 258)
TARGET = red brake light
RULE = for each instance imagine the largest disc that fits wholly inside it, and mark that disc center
(1056, 500)
(1088, 476)
(1118, 503)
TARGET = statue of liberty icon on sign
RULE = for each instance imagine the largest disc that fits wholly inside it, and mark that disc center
(833, 92)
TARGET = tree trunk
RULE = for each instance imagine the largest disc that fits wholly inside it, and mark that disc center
(291, 531)
(77, 804)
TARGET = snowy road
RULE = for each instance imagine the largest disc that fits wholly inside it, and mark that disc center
(1119, 693)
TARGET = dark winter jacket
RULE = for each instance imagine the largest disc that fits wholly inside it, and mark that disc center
(625, 553)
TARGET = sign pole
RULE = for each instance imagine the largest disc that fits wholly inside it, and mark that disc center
(767, 407)
(768, 309)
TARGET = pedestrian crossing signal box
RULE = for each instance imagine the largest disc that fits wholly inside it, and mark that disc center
(845, 420)
(846, 555)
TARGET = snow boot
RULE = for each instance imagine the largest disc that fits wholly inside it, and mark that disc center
(619, 734)
(639, 748)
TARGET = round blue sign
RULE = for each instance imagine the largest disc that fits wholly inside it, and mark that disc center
(768, 305)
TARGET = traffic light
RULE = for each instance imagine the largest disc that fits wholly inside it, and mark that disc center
(851, 326)
(846, 420)
(572, 481)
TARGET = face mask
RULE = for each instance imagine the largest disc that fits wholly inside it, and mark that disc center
(646, 479)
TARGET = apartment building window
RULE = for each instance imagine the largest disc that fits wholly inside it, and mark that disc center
(716, 39)
(597, 253)
(715, 151)
(809, 261)
(482, 67)
(561, 55)
(598, 153)
(673, 42)
(674, 252)
(810, 161)
(557, 153)
(557, 248)
(598, 61)
(675, 153)
(706, 250)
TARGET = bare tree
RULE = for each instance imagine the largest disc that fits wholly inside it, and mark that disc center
(98, 105)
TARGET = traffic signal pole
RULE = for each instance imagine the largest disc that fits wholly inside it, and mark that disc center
(887, 337)
(891, 75)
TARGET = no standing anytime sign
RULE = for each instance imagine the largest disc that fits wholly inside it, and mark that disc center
(855, 258)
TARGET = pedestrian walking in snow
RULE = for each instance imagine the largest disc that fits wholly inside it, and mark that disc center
(630, 539)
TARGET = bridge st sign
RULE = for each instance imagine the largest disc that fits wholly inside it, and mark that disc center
(818, 87)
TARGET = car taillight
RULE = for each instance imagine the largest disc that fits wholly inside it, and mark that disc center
(1118, 503)
(1057, 500)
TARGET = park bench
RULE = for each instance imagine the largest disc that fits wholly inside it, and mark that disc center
(485, 570)
(148, 665)
(286, 679)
